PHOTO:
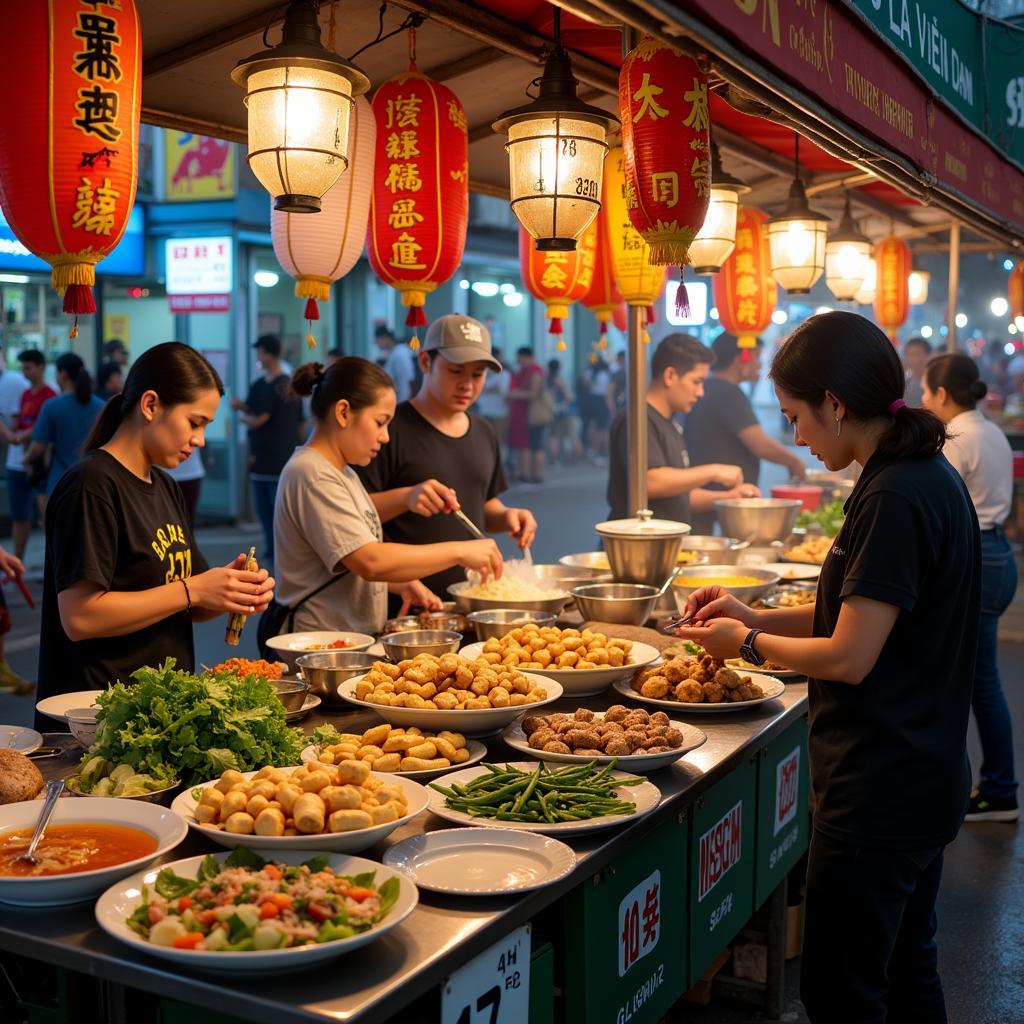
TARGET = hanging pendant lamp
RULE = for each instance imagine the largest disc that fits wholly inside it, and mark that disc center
(846, 258)
(715, 241)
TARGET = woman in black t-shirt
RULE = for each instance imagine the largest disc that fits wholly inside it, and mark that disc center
(124, 580)
(889, 649)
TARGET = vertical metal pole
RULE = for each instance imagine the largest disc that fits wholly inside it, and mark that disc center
(954, 284)
(636, 395)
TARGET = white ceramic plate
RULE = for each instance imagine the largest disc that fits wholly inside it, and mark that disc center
(120, 901)
(481, 861)
(585, 682)
(25, 740)
(60, 704)
(790, 571)
(777, 673)
(312, 701)
(477, 752)
(476, 722)
(52, 890)
(337, 842)
(772, 688)
(646, 796)
(636, 763)
(290, 646)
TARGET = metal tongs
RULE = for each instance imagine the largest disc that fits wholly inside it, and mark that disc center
(469, 524)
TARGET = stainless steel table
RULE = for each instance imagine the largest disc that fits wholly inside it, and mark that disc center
(441, 935)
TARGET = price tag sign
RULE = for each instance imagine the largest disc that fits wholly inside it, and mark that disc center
(493, 988)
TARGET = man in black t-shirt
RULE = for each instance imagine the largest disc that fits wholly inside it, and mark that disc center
(441, 456)
(274, 417)
(678, 370)
(724, 427)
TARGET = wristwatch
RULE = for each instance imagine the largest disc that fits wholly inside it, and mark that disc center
(747, 652)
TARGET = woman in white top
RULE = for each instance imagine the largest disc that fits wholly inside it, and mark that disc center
(326, 527)
(981, 454)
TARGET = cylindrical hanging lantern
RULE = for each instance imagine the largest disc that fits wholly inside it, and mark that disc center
(663, 105)
(639, 281)
(316, 251)
(299, 99)
(558, 279)
(892, 301)
(1015, 290)
(69, 134)
(717, 236)
(603, 297)
(745, 291)
(866, 293)
(846, 255)
(917, 287)
(420, 206)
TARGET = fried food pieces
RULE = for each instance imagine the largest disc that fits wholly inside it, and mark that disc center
(695, 680)
(621, 732)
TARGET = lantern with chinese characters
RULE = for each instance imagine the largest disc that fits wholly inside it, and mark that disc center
(556, 277)
(69, 126)
(745, 291)
(603, 298)
(638, 279)
(663, 105)
(892, 299)
(1015, 292)
(316, 251)
(420, 206)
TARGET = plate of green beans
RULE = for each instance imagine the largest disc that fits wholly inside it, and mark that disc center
(543, 797)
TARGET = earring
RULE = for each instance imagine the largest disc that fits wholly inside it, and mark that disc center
(839, 426)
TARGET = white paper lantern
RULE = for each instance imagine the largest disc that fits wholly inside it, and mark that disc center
(318, 250)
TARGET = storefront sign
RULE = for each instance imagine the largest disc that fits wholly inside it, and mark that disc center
(782, 813)
(197, 167)
(199, 266)
(199, 303)
(625, 931)
(720, 849)
(493, 988)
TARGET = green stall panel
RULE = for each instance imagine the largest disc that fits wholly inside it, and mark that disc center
(721, 865)
(542, 985)
(625, 934)
(782, 818)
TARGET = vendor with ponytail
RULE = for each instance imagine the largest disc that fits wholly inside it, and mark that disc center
(889, 648)
(124, 579)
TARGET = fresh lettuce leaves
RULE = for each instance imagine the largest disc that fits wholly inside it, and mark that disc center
(173, 887)
(388, 893)
(243, 857)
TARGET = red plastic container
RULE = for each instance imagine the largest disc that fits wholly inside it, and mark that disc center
(1018, 465)
(809, 494)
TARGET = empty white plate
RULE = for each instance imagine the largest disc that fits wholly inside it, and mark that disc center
(25, 740)
(481, 861)
(60, 704)
(790, 571)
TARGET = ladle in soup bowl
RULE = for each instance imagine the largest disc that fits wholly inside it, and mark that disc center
(54, 788)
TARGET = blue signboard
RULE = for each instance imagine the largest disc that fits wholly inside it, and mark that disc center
(128, 258)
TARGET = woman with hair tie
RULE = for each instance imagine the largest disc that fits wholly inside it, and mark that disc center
(889, 648)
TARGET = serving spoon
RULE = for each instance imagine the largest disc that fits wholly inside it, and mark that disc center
(54, 788)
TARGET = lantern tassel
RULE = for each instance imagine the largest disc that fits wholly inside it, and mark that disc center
(682, 299)
(415, 317)
(312, 310)
(604, 327)
(652, 316)
(555, 327)
(78, 299)
(73, 333)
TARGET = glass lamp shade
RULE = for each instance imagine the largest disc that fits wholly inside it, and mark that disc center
(917, 286)
(716, 239)
(866, 293)
(845, 266)
(797, 252)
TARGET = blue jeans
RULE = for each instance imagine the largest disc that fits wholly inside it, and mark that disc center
(264, 493)
(998, 585)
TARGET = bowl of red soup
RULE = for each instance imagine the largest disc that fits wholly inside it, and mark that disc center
(88, 845)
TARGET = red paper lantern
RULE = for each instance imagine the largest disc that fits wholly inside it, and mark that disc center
(420, 206)
(663, 105)
(603, 298)
(558, 278)
(744, 289)
(69, 134)
(1015, 291)
(892, 292)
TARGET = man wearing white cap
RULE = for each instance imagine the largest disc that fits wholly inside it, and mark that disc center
(442, 457)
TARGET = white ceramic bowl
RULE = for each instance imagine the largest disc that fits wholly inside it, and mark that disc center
(120, 901)
(83, 725)
(60, 704)
(475, 722)
(289, 646)
(337, 842)
(588, 681)
(52, 890)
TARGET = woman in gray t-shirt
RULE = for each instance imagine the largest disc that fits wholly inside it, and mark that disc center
(326, 525)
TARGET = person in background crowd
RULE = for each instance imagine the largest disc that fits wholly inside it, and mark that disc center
(980, 453)
(889, 648)
(274, 416)
(565, 432)
(995, 372)
(674, 489)
(333, 355)
(599, 378)
(334, 568)
(115, 351)
(189, 477)
(109, 381)
(13, 386)
(399, 362)
(493, 401)
(1015, 375)
(441, 456)
(64, 422)
(10, 681)
(24, 489)
(617, 386)
(916, 353)
(530, 414)
(723, 426)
